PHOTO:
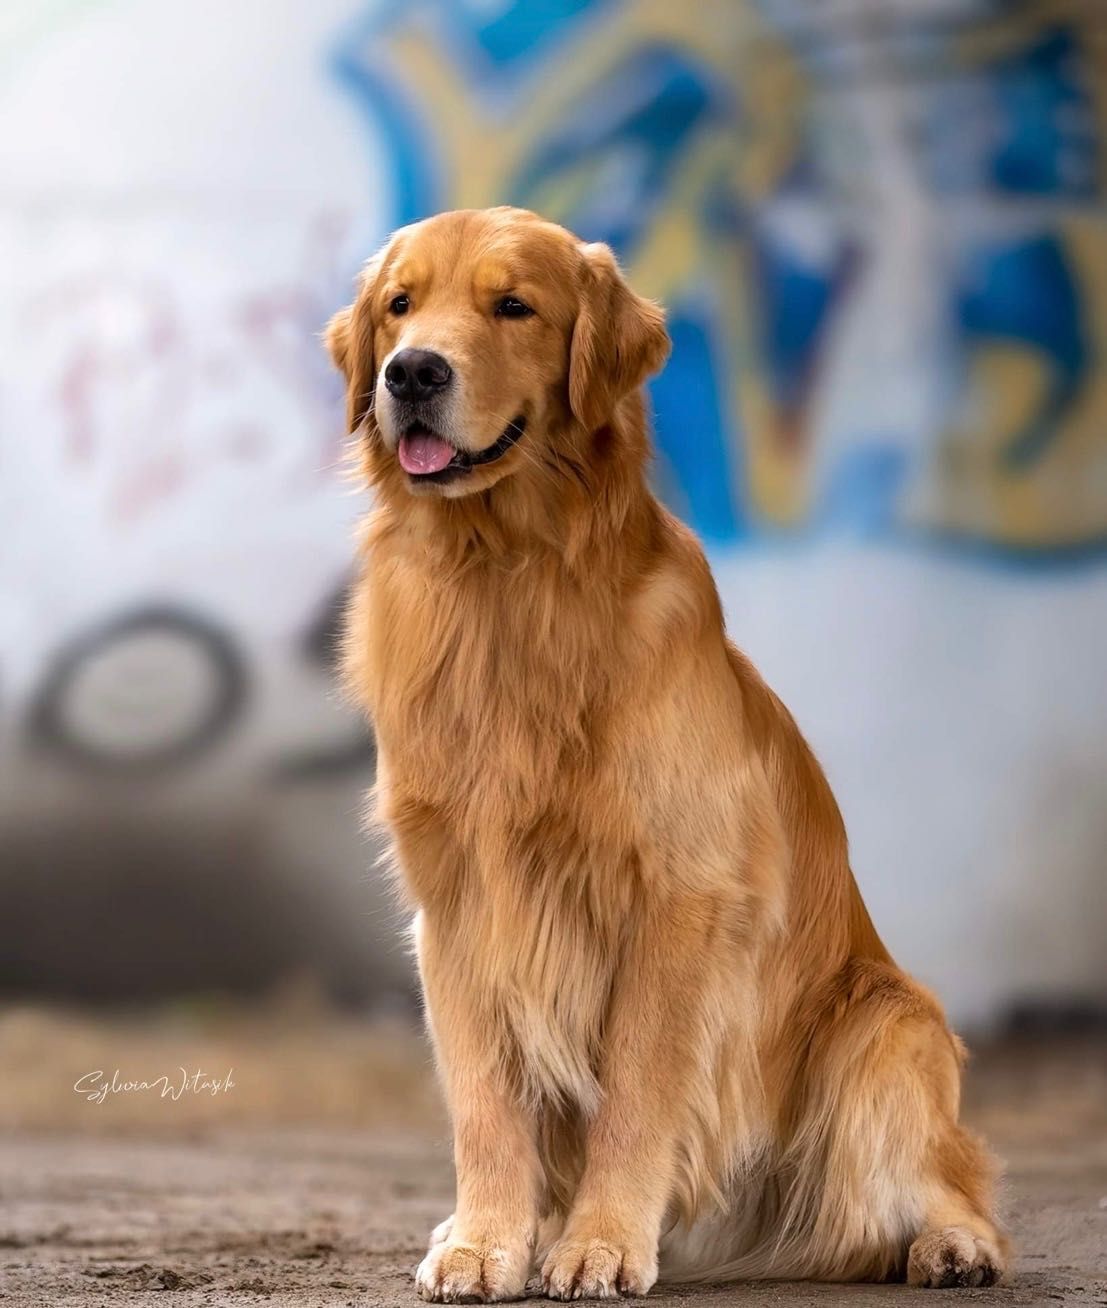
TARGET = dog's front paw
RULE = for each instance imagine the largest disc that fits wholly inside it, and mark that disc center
(455, 1272)
(597, 1269)
(953, 1256)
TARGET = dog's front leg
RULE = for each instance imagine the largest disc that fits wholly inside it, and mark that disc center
(655, 1062)
(486, 1255)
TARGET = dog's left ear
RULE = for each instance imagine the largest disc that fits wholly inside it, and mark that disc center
(349, 338)
(619, 340)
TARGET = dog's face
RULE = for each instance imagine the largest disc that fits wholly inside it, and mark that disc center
(482, 338)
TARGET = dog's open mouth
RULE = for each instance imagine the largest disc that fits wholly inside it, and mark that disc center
(429, 457)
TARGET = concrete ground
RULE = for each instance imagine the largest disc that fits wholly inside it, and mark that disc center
(314, 1179)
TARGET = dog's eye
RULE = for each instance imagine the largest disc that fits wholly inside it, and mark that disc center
(400, 305)
(510, 307)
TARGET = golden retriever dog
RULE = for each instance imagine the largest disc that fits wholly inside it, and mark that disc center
(671, 1040)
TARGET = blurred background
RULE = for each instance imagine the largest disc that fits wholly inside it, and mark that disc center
(879, 228)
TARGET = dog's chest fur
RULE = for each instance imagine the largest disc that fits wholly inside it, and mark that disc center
(508, 811)
(491, 692)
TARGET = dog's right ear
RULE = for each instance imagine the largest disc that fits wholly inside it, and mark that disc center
(349, 339)
(336, 337)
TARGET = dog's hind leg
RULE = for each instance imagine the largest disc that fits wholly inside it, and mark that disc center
(875, 1178)
(881, 1179)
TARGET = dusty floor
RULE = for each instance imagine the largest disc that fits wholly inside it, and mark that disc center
(315, 1178)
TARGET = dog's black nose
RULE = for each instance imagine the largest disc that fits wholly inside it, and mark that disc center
(417, 375)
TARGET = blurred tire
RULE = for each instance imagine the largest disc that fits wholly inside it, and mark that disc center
(149, 690)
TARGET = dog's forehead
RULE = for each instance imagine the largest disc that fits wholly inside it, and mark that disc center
(489, 250)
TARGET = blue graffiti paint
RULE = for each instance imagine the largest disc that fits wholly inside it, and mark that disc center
(413, 163)
(1031, 119)
(632, 130)
(690, 426)
(1047, 144)
(1026, 292)
(796, 299)
(516, 33)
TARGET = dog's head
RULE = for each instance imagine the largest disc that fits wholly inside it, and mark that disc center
(481, 339)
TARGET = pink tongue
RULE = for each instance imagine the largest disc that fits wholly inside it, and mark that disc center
(423, 453)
